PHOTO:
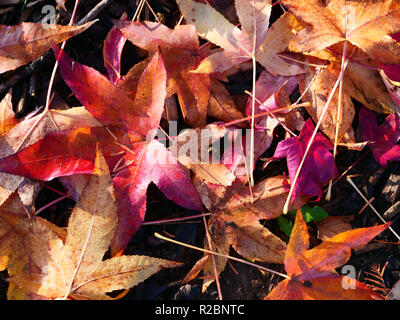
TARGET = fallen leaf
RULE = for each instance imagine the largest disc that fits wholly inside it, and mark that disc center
(130, 123)
(221, 105)
(319, 166)
(235, 221)
(311, 271)
(366, 24)
(27, 41)
(181, 54)
(76, 269)
(112, 51)
(239, 45)
(14, 223)
(332, 226)
(383, 138)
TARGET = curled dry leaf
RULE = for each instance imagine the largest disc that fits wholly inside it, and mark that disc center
(333, 225)
(27, 41)
(75, 268)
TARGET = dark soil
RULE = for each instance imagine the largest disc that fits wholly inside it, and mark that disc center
(238, 281)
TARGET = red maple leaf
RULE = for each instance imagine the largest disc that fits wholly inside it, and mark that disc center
(181, 53)
(311, 274)
(128, 123)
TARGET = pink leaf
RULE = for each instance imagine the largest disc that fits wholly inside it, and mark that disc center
(384, 137)
(319, 166)
(112, 51)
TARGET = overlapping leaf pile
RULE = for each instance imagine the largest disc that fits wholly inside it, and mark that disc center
(106, 153)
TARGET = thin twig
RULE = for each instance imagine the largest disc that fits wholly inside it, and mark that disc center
(157, 235)
(213, 260)
(348, 179)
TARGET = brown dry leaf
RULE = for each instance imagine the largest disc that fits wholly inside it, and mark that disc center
(366, 86)
(27, 41)
(361, 83)
(266, 200)
(8, 182)
(221, 105)
(14, 224)
(333, 225)
(76, 269)
(317, 86)
(242, 230)
(236, 222)
(365, 24)
(192, 149)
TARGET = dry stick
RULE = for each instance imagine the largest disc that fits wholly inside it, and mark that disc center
(157, 235)
(94, 12)
(152, 11)
(293, 183)
(213, 260)
(253, 101)
(338, 119)
(272, 115)
(348, 179)
(149, 223)
(50, 204)
(138, 10)
(290, 107)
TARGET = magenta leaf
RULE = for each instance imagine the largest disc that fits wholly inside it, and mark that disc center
(392, 71)
(112, 51)
(383, 137)
(319, 166)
